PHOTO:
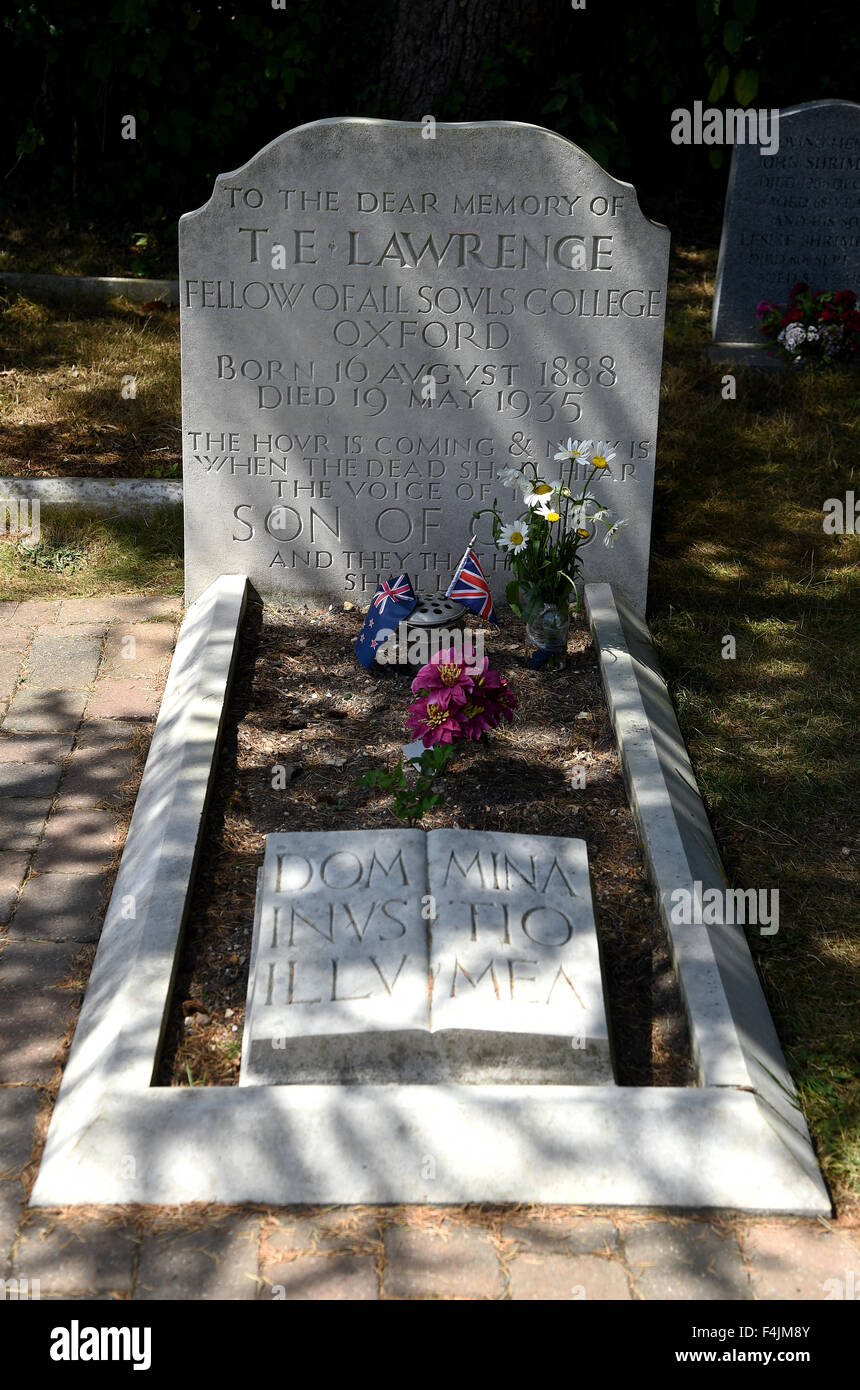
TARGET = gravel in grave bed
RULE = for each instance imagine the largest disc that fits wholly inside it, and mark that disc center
(301, 700)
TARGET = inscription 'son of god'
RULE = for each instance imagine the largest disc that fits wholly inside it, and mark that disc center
(395, 956)
(374, 324)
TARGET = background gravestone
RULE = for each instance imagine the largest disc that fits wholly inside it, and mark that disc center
(375, 322)
(793, 215)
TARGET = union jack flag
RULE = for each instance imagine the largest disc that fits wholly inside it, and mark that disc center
(469, 587)
(396, 595)
(397, 590)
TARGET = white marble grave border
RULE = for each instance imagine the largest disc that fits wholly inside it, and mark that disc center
(88, 289)
(96, 494)
(734, 1142)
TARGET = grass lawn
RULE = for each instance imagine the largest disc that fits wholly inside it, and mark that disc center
(84, 553)
(89, 396)
(738, 548)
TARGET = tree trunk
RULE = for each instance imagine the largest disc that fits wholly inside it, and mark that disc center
(444, 55)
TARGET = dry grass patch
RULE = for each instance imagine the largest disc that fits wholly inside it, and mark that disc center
(62, 377)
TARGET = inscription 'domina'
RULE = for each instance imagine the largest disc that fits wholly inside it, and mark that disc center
(374, 323)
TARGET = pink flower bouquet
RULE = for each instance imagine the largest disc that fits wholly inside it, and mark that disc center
(457, 700)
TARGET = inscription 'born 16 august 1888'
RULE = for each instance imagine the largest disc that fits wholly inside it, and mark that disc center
(373, 324)
(395, 956)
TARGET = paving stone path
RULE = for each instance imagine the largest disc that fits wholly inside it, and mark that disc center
(80, 682)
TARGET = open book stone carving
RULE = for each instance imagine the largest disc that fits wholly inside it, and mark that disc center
(407, 957)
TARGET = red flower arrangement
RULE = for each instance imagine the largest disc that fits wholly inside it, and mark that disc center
(822, 327)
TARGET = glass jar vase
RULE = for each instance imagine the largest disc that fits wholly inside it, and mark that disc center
(547, 623)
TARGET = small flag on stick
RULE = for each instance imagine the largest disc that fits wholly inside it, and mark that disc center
(393, 601)
(469, 587)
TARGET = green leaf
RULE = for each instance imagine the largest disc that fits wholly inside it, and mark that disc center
(716, 156)
(733, 35)
(557, 102)
(746, 86)
(719, 84)
(589, 116)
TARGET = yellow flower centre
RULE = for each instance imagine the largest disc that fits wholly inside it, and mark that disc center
(552, 516)
(599, 461)
(581, 531)
(470, 709)
(541, 489)
(517, 538)
(436, 715)
(449, 673)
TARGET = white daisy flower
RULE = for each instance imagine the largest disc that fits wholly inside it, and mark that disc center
(611, 534)
(601, 455)
(577, 449)
(510, 476)
(514, 537)
(582, 516)
(548, 509)
(542, 491)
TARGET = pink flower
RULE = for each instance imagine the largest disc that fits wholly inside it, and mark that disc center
(485, 709)
(435, 718)
(444, 671)
(486, 679)
(475, 718)
(457, 700)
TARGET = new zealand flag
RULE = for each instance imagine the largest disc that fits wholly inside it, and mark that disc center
(469, 587)
(393, 601)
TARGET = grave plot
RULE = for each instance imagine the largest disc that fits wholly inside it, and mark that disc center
(377, 330)
(301, 704)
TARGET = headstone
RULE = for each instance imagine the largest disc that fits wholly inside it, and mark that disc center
(376, 317)
(789, 216)
(384, 957)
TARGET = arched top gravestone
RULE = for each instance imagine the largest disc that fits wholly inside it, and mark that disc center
(378, 316)
(789, 216)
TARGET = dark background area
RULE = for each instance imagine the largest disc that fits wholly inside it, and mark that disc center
(209, 84)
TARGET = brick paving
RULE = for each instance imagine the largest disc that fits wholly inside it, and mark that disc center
(65, 753)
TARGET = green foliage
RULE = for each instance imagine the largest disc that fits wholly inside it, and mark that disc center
(62, 559)
(209, 85)
(413, 797)
(512, 594)
(746, 86)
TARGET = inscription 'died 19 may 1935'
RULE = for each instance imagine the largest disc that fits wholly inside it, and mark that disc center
(399, 956)
(374, 324)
